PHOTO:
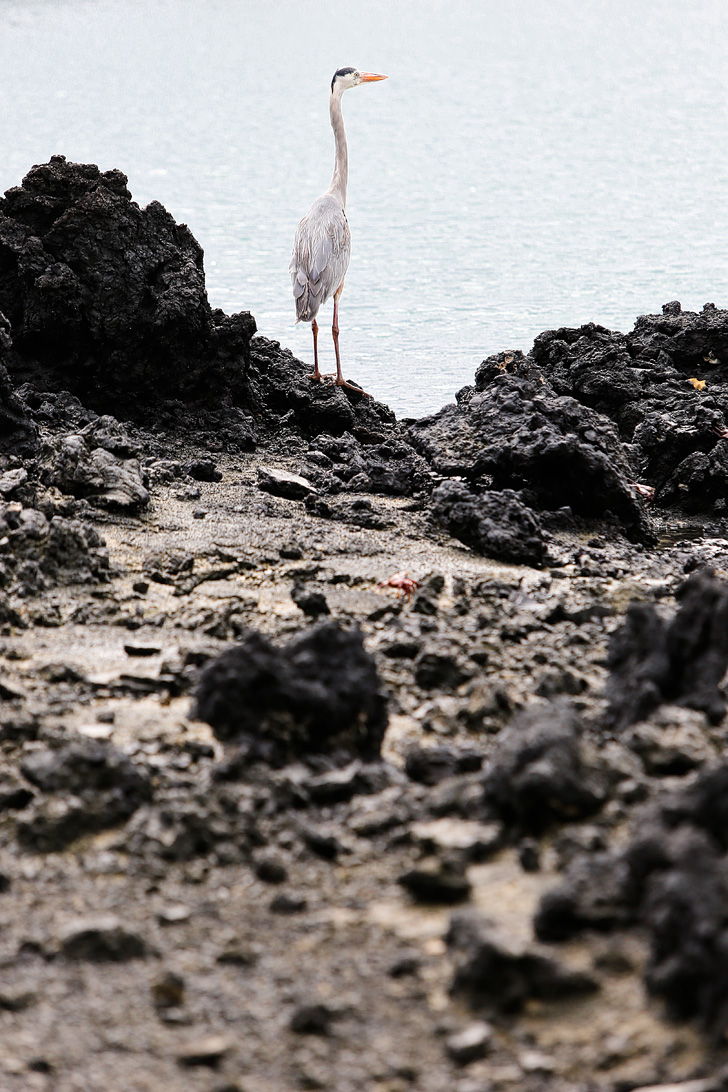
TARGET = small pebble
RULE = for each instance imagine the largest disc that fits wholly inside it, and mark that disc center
(168, 991)
(312, 1020)
(208, 1051)
(271, 870)
(470, 1044)
(288, 904)
(529, 854)
(173, 914)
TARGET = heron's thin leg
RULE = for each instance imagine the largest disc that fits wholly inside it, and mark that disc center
(335, 333)
(316, 372)
(340, 381)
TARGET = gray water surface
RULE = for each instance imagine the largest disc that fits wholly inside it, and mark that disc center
(527, 165)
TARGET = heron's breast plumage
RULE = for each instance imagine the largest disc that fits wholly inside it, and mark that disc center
(321, 251)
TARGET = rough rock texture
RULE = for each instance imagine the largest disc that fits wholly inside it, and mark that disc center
(18, 434)
(390, 467)
(85, 786)
(96, 464)
(538, 774)
(498, 525)
(280, 391)
(321, 691)
(494, 972)
(518, 434)
(35, 550)
(108, 297)
(682, 661)
(644, 381)
(672, 880)
(591, 896)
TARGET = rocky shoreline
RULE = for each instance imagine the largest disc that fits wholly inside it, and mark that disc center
(342, 752)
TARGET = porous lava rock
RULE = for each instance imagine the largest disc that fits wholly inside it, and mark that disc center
(390, 467)
(85, 786)
(681, 661)
(18, 433)
(665, 385)
(496, 972)
(539, 774)
(95, 463)
(671, 880)
(36, 551)
(106, 298)
(496, 524)
(319, 693)
(518, 434)
(279, 389)
(592, 896)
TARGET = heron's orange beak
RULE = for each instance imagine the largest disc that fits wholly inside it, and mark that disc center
(371, 77)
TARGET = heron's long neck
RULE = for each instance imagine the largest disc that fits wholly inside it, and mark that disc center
(341, 166)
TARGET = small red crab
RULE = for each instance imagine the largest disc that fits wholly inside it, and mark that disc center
(403, 582)
(721, 431)
(646, 491)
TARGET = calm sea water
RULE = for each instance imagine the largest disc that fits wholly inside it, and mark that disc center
(527, 165)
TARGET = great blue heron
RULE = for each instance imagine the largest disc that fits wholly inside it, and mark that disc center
(322, 245)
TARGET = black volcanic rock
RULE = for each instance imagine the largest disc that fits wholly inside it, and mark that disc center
(35, 550)
(681, 661)
(85, 786)
(671, 881)
(94, 464)
(495, 972)
(518, 434)
(496, 524)
(106, 297)
(390, 467)
(18, 434)
(319, 693)
(539, 775)
(591, 896)
(278, 386)
(666, 387)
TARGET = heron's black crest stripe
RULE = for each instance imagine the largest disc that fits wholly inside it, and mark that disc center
(341, 72)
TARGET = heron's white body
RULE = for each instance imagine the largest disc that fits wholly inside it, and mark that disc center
(321, 252)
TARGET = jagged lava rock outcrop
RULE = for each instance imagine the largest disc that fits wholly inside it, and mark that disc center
(665, 385)
(18, 434)
(518, 434)
(671, 881)
(683, 661)
(103, 296)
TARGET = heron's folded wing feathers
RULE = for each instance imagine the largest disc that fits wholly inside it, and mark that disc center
(321, 253)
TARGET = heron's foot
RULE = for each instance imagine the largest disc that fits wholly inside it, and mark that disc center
(334, 381)
(316, 376)
(352, 387)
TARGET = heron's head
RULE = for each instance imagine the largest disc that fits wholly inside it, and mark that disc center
(344, 78)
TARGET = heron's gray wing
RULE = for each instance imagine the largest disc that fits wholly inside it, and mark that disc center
(321, 252)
